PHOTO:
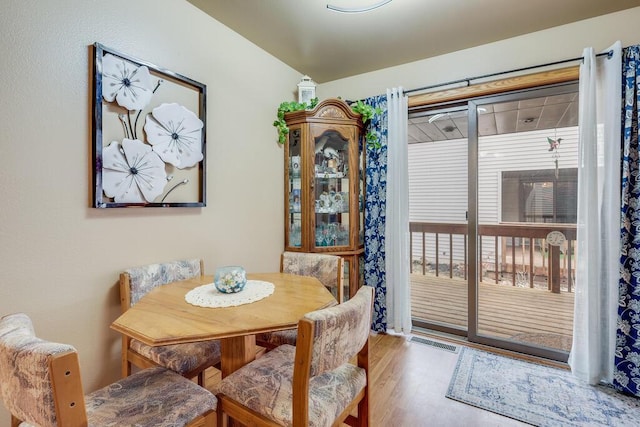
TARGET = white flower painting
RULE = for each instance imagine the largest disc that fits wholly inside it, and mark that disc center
(176, 135)
(130, 86)
(154, 119)
(132, 172)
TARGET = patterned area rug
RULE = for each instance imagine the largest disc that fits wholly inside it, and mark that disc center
(537, 394)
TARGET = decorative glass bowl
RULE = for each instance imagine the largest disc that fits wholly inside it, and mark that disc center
(230, 279)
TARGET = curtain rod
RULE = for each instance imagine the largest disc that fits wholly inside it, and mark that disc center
(609, 54)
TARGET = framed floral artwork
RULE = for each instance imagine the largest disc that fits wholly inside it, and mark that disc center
(149, 134)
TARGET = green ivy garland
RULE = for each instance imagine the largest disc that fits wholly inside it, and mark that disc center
(288, 107)
(366, 111)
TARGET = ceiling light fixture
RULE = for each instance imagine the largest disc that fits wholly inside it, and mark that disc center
(357, 9)
(437, 116)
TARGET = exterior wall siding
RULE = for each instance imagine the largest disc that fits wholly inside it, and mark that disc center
(438, 180)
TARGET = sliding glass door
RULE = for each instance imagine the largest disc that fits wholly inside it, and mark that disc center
(438, 218)
(523, 193)
(505, 241)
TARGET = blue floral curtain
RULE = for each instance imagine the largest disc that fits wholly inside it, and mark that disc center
(375, 212)
(626, 375)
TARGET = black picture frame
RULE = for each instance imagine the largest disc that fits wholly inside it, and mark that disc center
(189, 187)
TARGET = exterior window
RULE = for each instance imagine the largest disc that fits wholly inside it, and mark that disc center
(539, 196)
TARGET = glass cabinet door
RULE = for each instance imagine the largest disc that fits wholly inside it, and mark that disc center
(294, 182)
(331, 190)
(324, 186)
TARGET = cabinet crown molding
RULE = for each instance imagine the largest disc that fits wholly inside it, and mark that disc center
(329, 109)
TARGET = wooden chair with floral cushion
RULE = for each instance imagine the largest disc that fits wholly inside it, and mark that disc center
(40, 385)
(313, 383)
(190, 359)
(328, 269)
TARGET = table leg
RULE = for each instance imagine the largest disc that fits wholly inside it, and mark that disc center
(236, 352)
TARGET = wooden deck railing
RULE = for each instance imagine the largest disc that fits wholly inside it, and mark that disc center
(506, 242)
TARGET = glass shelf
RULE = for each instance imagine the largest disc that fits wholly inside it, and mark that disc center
(332, 234)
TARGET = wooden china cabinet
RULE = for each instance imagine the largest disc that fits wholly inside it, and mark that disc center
(324, 186)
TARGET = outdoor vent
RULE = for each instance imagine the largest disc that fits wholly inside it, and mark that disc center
(437, 344)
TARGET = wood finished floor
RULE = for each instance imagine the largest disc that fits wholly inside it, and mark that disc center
(409, 383)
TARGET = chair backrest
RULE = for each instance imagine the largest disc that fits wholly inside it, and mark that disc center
(339, 332)
(136, 282)
(324, 267)
(39, 380)
(327, 339)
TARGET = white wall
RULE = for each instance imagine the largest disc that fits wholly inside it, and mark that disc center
(60, 258)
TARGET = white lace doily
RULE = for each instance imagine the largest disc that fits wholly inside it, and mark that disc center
(209, 296)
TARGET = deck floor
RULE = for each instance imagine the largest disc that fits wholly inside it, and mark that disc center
(522, 314)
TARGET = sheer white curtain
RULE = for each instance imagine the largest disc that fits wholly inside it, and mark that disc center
(597, 270)
(397, 211)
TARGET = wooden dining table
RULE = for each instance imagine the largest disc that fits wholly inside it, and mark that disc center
(163, 317)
